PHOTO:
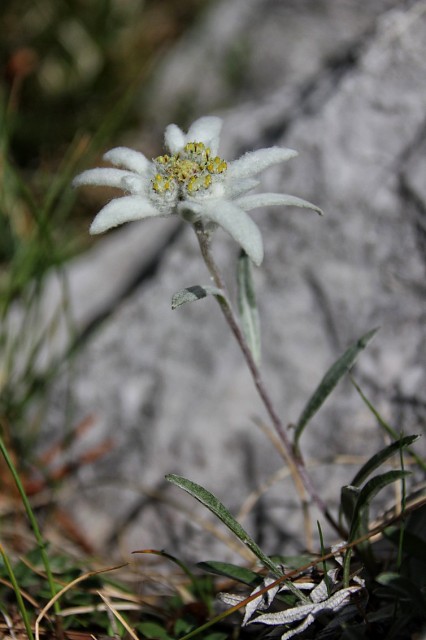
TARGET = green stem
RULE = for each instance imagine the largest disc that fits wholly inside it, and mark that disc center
(296, 464)
(30, 514)
(21, 604)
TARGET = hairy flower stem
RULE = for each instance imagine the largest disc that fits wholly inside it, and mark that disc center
(295, 461)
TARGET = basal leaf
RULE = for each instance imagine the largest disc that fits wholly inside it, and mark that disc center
(196, 292)
(348, 498)
(329, 382)
(247, 306)
(220, 511)
(379, 458)
(368, 492)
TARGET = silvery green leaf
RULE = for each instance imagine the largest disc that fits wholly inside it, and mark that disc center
(329, 382)
(231, 599)
(359, 524)
(262, 602)
(348, 497)
(220, 511)
(379, 458)
(196, 292)
(247, 306)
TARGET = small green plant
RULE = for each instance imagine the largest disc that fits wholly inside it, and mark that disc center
(352, 591)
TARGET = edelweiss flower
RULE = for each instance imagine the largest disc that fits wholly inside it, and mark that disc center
(192, 181)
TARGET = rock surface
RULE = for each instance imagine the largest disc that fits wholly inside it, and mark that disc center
(346, 89)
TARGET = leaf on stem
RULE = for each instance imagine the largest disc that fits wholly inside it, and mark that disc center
(330, 380)
(196, 292)
(247, 306)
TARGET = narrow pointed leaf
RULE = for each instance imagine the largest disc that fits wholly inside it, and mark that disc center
(329, 382)
(220, 511)
(233, 571)
(196, 292)
(379, 458)
(348, 497)
(368, 492)
(247, 306)
(387, 428)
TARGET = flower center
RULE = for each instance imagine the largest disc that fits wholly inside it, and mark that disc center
(188, 171)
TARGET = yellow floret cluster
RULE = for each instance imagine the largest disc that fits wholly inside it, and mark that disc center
(191, 169)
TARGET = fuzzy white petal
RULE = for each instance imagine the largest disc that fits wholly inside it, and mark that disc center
(134, 184)
(123, 210)
(239, 225)
(103, 177)
(254, 162)
(127, 158)
(235, 188)
(274, 199)
(174, 138)
(206, 130)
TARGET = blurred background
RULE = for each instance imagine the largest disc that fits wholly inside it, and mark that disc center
(342, 84)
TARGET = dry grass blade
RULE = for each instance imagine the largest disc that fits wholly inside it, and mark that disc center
(119, 617)
(69, 586)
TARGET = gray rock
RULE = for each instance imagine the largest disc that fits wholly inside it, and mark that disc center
(171, 388)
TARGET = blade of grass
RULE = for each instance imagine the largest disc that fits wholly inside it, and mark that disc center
(31, 517)
(20, 601)
(67, 587)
